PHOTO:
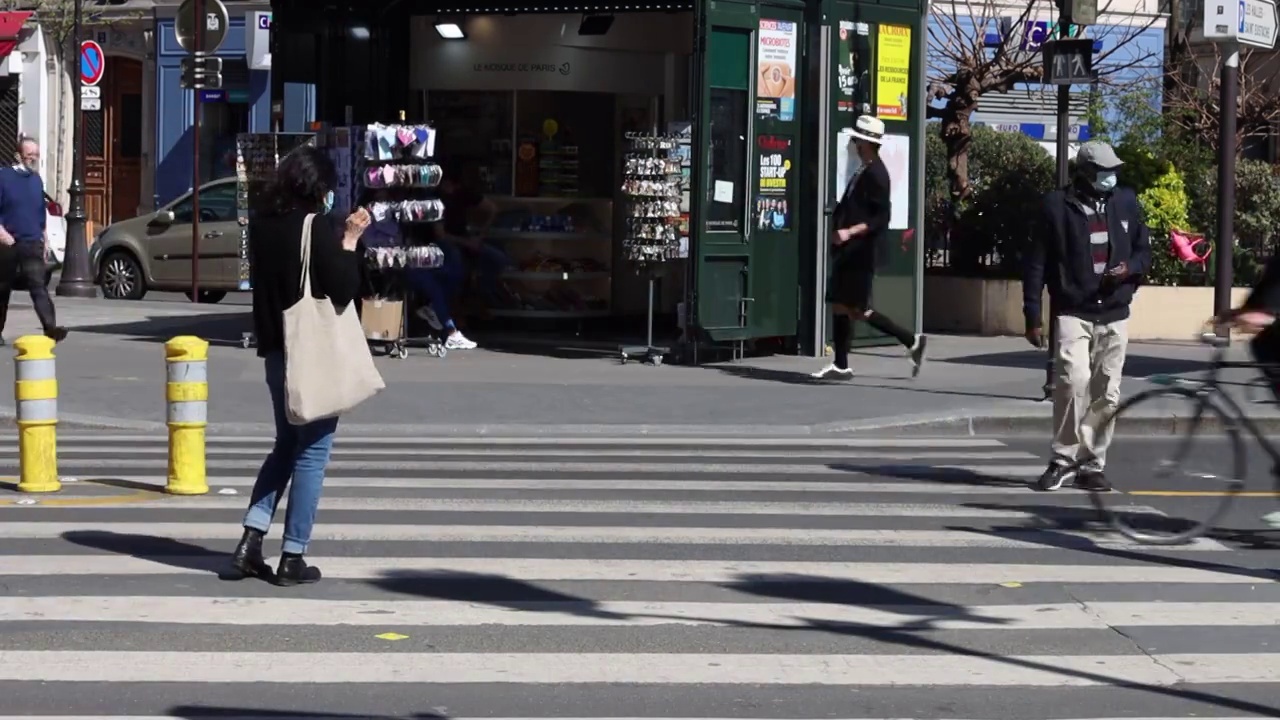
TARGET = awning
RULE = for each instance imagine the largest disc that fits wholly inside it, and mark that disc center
(10, 28)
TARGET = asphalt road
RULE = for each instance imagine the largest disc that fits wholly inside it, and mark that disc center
(898, 577)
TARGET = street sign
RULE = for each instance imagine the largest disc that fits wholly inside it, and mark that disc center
(217, 22)
(1248, 22)
(92, 63)
(199, 72)
(90, 91)
(1068, 62)
(91, 104)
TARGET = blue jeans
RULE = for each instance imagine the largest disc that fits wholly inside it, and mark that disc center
(438, 286)
(301, 452)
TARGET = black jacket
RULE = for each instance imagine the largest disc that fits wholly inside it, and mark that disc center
(1265, 295)
(276, 259)
(1059, 256)
(866, 200)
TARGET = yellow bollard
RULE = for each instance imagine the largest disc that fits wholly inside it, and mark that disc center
(35, 390)
(187, 398)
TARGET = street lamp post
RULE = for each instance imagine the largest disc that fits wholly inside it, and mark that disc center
(77, 280)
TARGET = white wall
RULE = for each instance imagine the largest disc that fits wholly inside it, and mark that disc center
(545, 52)
(33, 91)
(1142, 13)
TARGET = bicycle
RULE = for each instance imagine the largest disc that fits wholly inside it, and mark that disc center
(1213, 409)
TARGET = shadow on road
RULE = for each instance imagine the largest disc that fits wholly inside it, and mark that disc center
(174, 553)
(213, 712)
(496, 590)
(220, 329)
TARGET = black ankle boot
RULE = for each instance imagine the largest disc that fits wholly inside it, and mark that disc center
(294, 570)
(247, 559)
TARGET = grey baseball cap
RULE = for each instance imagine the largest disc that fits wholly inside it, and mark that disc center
(1098, 154)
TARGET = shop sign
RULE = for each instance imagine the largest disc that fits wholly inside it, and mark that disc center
(893, 71)
(466, 66)
(776, 70)
(257, 45)
(851, 68)
(770, 211)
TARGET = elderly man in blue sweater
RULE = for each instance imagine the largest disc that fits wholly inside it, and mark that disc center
(24, 242)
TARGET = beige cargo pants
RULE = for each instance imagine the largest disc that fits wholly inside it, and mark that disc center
(1087, 370)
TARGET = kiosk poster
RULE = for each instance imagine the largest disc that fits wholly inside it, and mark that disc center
(776, 70)
(770, 211)
(893, 71)
(853, 56)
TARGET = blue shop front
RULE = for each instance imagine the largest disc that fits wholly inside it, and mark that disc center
(243, 104)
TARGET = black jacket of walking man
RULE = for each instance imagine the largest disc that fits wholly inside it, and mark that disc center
(1091, 250)
(858, 230)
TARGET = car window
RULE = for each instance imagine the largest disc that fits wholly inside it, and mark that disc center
(217, 204)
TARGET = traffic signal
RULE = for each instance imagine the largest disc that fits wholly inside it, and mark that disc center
(1081, 12)
(201, 73)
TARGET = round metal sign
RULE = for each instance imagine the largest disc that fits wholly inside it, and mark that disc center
(216, 23)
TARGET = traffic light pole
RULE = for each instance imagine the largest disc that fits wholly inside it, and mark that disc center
(77, 278)
(197, 107)
(1061, 150)
(1224, 250)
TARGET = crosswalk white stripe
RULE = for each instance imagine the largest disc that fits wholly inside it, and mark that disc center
(447, 466)
(610, 507)
(432, 613)
(341, 440)
(496, 455)
(701, 571)
(668, 669)
(624, 484)
(1010, 538)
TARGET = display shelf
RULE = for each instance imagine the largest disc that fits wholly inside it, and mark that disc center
(551, 314)
(524, 275)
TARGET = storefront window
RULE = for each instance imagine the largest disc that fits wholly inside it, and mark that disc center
(479, 128)
(726, 196)
(575, 152)
(220, 123)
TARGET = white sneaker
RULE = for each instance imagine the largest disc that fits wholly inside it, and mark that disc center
(831, 372)
(426, 313)
(458, 341)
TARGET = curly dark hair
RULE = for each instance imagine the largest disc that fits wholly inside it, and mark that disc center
(302, 180)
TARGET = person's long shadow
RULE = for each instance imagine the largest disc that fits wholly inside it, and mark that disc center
(933, 473)
(222, 712)
(496, 590)
(166, 551)
(1044, 534)
(786, 587)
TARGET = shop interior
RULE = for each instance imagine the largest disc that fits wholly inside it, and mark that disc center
(535, 110)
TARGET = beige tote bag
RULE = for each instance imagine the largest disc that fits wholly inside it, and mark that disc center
(328, 366)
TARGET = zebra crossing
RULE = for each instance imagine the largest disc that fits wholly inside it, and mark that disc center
(640, 577)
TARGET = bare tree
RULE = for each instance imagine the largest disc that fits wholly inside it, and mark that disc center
(963, 68)
(1193, 104)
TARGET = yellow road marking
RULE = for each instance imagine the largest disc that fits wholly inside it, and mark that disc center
(1204, 493)
(60, 500)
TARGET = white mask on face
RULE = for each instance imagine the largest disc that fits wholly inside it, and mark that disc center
(1105, 181)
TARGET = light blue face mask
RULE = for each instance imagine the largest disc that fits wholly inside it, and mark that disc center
(328, 202)
(1105, 181)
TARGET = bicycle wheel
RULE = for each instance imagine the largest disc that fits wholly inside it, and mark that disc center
(1220, 481)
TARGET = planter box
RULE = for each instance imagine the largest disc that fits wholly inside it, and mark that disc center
(976, 306)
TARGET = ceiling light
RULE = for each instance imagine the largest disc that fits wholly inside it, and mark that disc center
(450, 31)
(359, 32)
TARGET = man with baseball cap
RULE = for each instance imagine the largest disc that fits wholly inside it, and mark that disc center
(1092, 250)
(860, 224)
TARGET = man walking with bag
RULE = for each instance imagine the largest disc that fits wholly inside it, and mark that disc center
(24, 239)
(1092, 251)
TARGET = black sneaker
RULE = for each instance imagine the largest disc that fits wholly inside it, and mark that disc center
(1093, 481)
(1054, 477)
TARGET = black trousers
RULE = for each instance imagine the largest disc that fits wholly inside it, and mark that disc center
(25, 260)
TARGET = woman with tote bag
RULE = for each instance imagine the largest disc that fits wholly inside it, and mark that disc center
(305, 277)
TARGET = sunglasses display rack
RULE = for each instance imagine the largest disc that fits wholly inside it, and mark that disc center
(652, 183)
(394, 175)
(257, 156)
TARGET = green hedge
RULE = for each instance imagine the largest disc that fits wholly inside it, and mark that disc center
(1010, 173)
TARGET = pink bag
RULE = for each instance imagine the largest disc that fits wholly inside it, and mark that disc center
(1183, 246)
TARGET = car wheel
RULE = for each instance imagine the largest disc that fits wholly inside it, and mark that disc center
(121, 277)
(209, 296)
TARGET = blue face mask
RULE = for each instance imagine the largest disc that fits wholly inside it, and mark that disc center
(328, 202)
(1105, 181)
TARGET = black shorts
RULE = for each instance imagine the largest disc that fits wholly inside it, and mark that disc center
(850, 285)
